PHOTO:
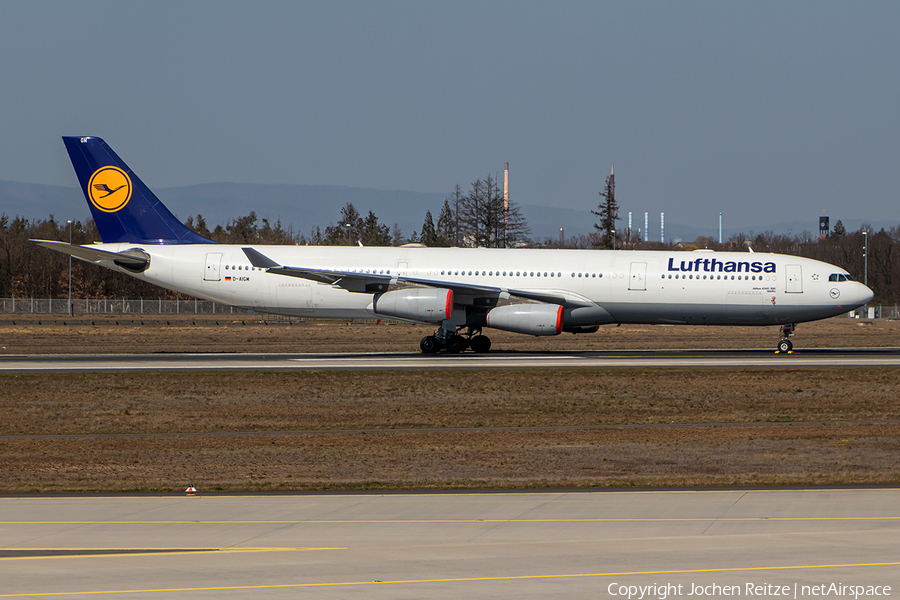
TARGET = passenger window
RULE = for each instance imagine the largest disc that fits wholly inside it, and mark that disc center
(545, 273)
(226, 267)
(517, 273)
(531, 274)
(551, 274)
(579, 274)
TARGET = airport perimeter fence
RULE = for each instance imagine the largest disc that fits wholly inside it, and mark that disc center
(116, 306)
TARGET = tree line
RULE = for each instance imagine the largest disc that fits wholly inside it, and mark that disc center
(474, 218)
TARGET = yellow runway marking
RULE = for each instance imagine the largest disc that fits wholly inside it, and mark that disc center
(438, 521)
(110, 552)
(448, 580)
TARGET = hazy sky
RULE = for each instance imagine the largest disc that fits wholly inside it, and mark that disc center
(768, 112)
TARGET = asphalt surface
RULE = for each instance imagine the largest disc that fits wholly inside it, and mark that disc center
(494, 545)
(817, 358)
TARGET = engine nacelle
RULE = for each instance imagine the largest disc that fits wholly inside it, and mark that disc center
(416, 304)
(531, 319)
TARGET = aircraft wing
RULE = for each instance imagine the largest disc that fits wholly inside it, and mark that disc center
(132, 259)
(355, 281)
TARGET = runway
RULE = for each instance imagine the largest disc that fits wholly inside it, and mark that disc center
(678, 359)
(509, 545)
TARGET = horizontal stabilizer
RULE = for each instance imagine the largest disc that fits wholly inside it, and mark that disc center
(133, 259)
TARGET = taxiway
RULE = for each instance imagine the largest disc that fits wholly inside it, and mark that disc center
(523, 545)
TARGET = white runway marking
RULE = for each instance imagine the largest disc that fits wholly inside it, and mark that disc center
(589, 360)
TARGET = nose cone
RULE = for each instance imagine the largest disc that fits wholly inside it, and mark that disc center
(865, 294)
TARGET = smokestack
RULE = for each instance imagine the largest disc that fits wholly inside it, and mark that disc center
(505, 203)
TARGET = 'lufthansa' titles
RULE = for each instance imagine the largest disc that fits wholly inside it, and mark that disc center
(714, 265)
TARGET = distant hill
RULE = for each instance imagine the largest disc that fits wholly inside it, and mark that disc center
(304, 206)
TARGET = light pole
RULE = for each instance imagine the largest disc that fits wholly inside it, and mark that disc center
(866, 257)
(866, 263)
(69, 223)
(349, 236)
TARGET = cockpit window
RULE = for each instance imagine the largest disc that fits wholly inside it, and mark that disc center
(849, 278)
(832, 277)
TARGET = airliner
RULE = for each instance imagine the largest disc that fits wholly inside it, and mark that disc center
(460, 291)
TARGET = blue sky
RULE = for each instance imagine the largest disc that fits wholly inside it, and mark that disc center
(768, 112)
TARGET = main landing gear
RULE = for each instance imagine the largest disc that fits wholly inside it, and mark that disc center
(454, 343)
(785, 346)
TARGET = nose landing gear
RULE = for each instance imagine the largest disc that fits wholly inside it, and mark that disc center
(785, 346)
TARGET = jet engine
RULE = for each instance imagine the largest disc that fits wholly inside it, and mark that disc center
(531, 319)
(416, 304)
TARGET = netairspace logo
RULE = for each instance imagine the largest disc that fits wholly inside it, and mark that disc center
(668, 590)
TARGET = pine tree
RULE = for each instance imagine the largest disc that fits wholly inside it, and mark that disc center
(445, 232)
(839, 230)
(428, 235)
(608, 211)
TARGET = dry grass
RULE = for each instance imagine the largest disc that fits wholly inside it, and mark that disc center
(214, 403)
(39, 334)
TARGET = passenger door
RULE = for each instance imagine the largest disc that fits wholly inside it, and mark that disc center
(794, 276)
(213, 267)
(638, 279)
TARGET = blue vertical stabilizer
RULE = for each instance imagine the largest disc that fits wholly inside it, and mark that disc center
(124, 209)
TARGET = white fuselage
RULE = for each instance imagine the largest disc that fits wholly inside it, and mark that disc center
(702, 288)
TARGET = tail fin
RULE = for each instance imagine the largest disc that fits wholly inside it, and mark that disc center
(124, 209)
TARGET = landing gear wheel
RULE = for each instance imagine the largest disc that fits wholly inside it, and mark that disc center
(430, 345)
(785, 346)
(480, 344)
(456, 344)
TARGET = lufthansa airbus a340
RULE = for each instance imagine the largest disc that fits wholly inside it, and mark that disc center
(461, 291)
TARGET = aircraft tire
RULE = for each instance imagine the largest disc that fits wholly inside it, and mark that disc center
(456, 344)
(785, 346)
(429, 345)
(480, 344)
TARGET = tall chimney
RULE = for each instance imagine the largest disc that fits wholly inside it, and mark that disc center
(505, 204)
